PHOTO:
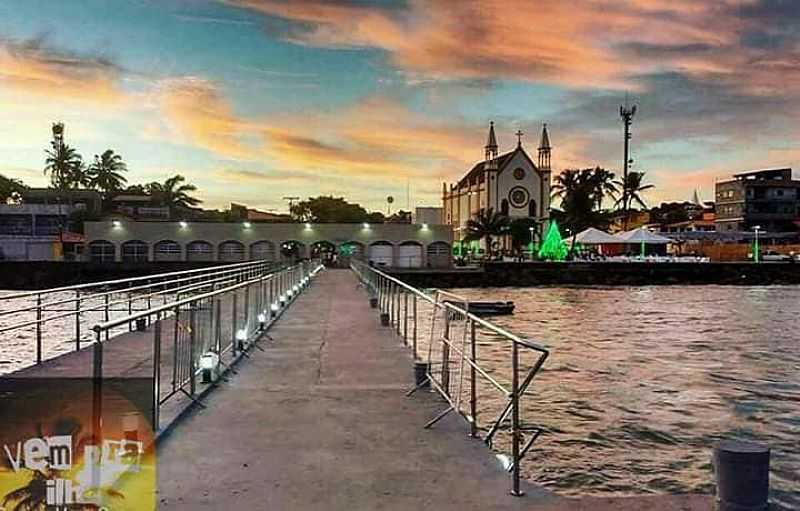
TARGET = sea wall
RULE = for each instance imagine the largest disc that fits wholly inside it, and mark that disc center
(605, 274)
(22, 275)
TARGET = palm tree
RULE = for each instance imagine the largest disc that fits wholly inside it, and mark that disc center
(486, 224)
(632, 187)
(106, 173)
(32, 496)
(65, 166)
(173, 193)
(602, 183)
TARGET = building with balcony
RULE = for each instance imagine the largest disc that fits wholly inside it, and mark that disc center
(765, 198)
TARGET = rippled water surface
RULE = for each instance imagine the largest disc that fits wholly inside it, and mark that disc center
(643, 381)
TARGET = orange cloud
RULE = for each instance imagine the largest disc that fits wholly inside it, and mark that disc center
(573, 43)
(31, 68)
(197, 112)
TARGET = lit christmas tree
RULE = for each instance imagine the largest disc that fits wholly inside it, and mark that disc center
(553, 247)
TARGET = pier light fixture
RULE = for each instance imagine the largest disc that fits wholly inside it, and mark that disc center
(209, 365)
(283, 299)
(241, 334)
(247, 225)
(262, 318)
(308, 226)
(184, 224)
(366, 225)
(274, 307)
(116, 224)
(289, 292)
(424, 227)
(296, 288)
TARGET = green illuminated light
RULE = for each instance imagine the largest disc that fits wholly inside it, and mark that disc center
(553, 247)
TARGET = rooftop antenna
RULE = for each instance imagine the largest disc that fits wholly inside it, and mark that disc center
(626, 112)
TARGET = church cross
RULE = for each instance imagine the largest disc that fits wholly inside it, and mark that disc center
(519, 134)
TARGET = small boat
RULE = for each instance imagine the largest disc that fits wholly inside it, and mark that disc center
(486, 308)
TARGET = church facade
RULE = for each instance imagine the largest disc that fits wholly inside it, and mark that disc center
(509, 183)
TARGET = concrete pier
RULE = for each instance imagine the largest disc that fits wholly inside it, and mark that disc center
(320, 421)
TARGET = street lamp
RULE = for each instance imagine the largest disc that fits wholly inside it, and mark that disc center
(756, 249)
(531, 229)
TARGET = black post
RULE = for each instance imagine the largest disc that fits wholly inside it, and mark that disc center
(742, 472)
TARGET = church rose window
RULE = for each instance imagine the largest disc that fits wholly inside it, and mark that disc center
(518, 197)
(519, 173)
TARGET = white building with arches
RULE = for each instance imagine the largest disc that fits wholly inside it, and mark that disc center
(389, 245)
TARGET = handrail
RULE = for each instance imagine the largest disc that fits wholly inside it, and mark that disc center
(458, 351)
(490, 326)
(120, 281)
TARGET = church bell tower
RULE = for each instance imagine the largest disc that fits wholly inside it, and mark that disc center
(491, 149)
(544, 150)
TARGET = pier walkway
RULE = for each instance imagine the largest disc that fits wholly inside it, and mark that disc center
(319, 421)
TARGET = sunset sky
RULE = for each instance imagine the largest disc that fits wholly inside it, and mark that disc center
(254, 100)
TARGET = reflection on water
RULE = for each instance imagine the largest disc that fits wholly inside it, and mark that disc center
(643, 381)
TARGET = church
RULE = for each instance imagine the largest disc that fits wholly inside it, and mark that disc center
(509, 183)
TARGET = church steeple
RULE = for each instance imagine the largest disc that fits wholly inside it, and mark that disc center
(491, 143)
(544, 150)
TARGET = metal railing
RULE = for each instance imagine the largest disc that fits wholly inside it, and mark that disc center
(66, 313)
(455, 366)
(208, 331)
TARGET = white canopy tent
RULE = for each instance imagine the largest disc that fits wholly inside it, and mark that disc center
(641, 235)
(592, 236)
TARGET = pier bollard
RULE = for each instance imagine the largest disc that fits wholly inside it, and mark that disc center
(141, 324)
(373, 302)
(384, 319)
(421, 374)
(742, 473)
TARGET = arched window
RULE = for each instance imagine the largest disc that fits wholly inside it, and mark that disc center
(438, 254)
(167, 250)
(409, 254)
(102, 251)
(532, 209)
(231, 251)
(381, 253)
(262, 251)
(199, 251)
(134, 251)
(352, 249)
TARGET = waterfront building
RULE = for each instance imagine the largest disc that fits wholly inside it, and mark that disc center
(765, 198)
(390, 244)
(42, 226)
(509, 183)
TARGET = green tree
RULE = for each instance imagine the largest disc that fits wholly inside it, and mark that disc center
(105, 173)
(65, 166)
(330, 209)
(520, 230)
(174, 193)
(10, 188)
(582, 193)
(484, 225)
(553, 248)
(634, 186)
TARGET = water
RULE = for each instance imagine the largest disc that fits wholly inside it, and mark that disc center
(643, 381)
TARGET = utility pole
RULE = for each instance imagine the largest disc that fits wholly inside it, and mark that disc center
(626, 113)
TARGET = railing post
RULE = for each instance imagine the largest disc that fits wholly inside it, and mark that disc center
(175, 359)
(106, 297)
(414, 326)
(77, 320)
(473, 395)
(156, 371)
(192, 340)
(39, 329)
(515, 432)
(218, 325)
(446, 352)
(130, 307)
(234, 321)
(405, 318)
